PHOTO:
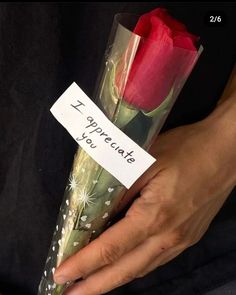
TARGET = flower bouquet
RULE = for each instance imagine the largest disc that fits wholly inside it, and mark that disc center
(147, 61)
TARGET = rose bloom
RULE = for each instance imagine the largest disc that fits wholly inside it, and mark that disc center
(165, 56)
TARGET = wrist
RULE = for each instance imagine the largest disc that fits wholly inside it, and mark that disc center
(222, 122)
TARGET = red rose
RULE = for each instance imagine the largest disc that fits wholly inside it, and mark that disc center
(165, 55)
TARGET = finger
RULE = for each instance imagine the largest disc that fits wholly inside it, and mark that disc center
(124, 270)
(107, 248)
(154, 252)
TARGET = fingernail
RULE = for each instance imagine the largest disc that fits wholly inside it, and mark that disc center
(60, 279)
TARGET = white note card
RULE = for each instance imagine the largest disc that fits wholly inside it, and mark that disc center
(99, 137)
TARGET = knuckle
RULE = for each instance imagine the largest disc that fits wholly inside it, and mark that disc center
(138, 221)
(82, 274)
(160, 222)
(181, 239)
(151, 213)
(76, 269)
(79, 272)
(153, 192)
(125, 278)
(178, 238)
(109, 253)
(129, 277)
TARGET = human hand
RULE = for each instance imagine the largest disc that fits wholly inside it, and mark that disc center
(179, 196)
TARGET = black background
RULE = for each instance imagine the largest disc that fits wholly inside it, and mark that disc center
(43, 49)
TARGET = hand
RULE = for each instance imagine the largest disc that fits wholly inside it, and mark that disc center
(179, 196)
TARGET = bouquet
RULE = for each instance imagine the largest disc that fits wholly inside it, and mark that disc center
(147, 61)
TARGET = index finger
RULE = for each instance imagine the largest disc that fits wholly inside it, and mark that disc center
(107, 248)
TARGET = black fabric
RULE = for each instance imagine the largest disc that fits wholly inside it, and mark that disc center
(43, 48)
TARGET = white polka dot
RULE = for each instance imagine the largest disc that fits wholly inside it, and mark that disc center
(108, 203)
(105, 215)
(48, 259)
(88, 225)
(84, 218)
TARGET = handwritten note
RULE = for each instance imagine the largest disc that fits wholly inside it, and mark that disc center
(99, 137)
